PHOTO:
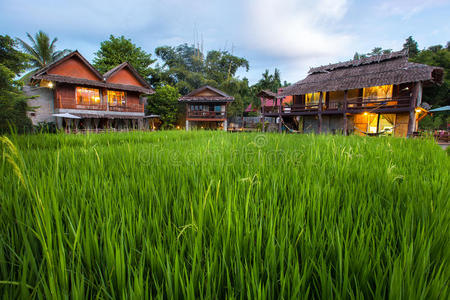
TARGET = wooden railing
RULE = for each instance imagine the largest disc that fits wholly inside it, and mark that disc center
(353, 104)
(301, 107)
(127, 108)
(70, 103)
(361, 103)
(206, 114)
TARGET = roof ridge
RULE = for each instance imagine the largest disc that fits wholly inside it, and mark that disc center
(358, 62)
(207, 87)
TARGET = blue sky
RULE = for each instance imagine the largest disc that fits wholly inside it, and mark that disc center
(291, 35)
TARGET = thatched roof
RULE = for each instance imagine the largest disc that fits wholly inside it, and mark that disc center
(267, 94)
(393, 68)
(215, 96)
(43, 74)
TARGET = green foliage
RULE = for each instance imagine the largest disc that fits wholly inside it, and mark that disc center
(375, 51)
(440, 57)
(187, 68)
(164, 102)
(13, 104)
(41, 51)
(117, 50)
(436, 95)
(412, 46)
(211, 215)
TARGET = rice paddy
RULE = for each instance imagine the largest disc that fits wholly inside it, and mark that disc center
(214, 215)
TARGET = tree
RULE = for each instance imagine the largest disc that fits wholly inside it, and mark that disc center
(117, 50)
(164, 102)
(41, 51)
(412, 47)
(436, 95)
(187, 68)
(13, 104)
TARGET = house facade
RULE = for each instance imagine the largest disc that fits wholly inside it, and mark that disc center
(74, 95)
(206, 108)
(369, 96)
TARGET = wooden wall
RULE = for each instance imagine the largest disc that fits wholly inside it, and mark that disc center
(207, 93)
(73, 67)
(65, 98)
(401, 123)
(360, 121)
(124, 76)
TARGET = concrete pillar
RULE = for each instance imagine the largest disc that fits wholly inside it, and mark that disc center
(225, 125)
(59, 122)
(187, 125)
(87, 124)
(96, 122)
(68, 124)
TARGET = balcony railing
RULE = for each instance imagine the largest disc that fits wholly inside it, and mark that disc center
(127, 108)
(206, 114)
(70, 103)
(353, 104)
(374, 103)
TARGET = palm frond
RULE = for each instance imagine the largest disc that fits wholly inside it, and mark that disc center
(34, 56)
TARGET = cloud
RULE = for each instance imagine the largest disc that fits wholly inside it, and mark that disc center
(407, 8)
(296, 29)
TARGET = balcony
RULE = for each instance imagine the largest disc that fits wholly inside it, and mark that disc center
(127, 108)
(206, 115)
(70, 103)
(354, 105)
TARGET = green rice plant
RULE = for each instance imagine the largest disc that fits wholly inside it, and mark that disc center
(209, 215)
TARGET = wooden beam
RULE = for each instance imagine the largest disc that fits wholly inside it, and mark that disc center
(412, 108)
(320, 112)
(345, 112)
(263, 104)
(279, 114)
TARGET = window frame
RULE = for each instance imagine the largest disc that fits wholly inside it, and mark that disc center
(124, 102)
(90, 103)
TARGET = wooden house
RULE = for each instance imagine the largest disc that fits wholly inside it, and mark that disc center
(75, 95)
(369, 96)
(206, 108)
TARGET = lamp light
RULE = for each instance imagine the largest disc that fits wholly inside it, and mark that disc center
(50, 84)
(418, 110)
(365, 113)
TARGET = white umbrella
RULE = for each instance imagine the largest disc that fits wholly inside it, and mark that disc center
(66, 115)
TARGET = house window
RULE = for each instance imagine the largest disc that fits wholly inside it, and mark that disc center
(218, 108)
(374, 92)
(312, 98)
(116, 98)
(196, 107)
(87, 96)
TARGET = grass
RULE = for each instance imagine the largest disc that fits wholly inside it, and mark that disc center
(215, 215)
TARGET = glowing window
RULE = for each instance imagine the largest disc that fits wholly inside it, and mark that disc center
(88, 96)
(116, 98)
(312, 98)
(383, 91)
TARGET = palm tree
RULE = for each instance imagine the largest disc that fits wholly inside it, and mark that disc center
(41, 51)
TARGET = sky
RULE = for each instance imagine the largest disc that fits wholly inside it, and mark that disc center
(291, 35)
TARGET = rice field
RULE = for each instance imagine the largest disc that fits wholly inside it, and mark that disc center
(211, 215)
